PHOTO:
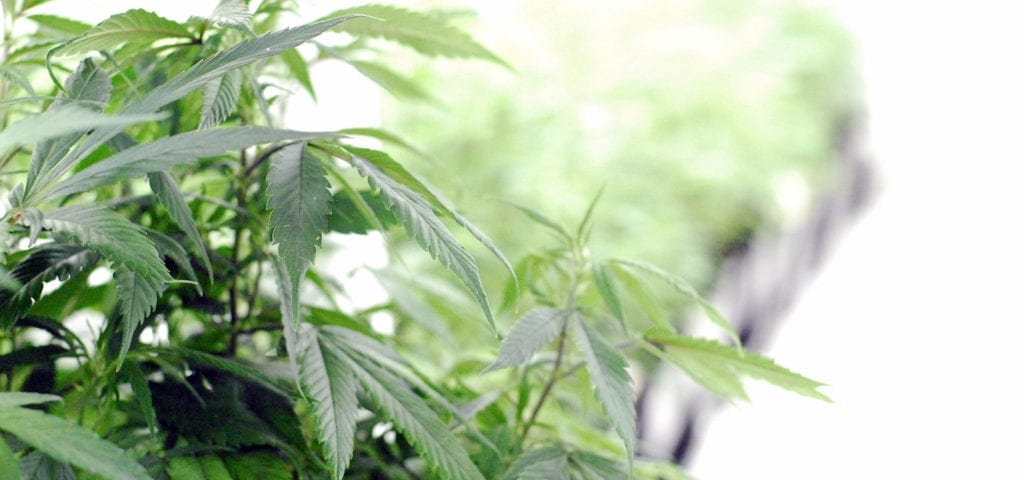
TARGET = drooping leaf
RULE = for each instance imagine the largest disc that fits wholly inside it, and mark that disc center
(410, 414)
(539, 463)
(529, 334)
(400, 174)
(684, 287)
(199, 75)
(143, 396)
(137, 295)
(611, 381)
(228, 365)
(62, 121)
(330, 385)
(220, 96)
(697, 354)
(109, 234)
(604, 280)
(167, 192)
(422, 224)
(8, 464)
(298, 67)
(167, 152)
(68, 442)
(48, 262)
(424, 33)
(134, 26)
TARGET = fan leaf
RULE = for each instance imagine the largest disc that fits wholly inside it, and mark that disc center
(135, 26)
(109, 234)
(611, 381)
(532, 332)
(220, 96)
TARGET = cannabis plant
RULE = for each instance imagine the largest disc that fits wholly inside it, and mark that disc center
(162, 314)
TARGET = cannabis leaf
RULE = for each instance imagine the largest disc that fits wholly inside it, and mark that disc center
(167, 192)
(137, 295)
(424, 33)
(220, 96)
(65, 441)
(719, 367)
(529, 334)
(611, 381)
(110, 234)
(299, 203)
(48, 262)
(420, 221)
(605, 282)
(135, 26)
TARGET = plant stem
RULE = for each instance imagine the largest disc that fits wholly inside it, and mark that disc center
(551, 381)
(240, 194)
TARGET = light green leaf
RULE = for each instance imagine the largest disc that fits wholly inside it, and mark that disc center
(68, 442)
(167, 192)
(17, 399)
(299, 203)
(164, 153)
(220, 96)
(60, 25)
(143, 396)
(544, 221)
(596, 467)
(8, 464)
(410, 414)
(330, 385)
(384, 136)
(540, 464)
(110, 234)
(611, 381)
(61, 121)
(532, 332)
(420, 221)
(137, 295)
(396, 84)
(684, 287)
(134, 26)
(17, 77)
(703, 356)
(423, 33)
(298, 67)
(710, 372)
(206, 467)
(260, 464)
(605, 282)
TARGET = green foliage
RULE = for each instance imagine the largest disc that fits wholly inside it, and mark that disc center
(139, 151)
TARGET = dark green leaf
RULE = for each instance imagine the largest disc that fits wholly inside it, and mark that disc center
(530, 333)
(110, 234)
(299, 203)
(143, 396)
(719, 367)
(48, 262)
(611, 381)
(424, 33)
(137, 295)
(231, 366)
(62, 121)
(261, 465)
(167, 192)
(410, 414)
(68, 442)
(329, 383)
(220, 96)
(31, 356)
(39, 466)
(133, 26)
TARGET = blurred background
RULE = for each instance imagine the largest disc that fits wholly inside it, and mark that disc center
(843, 178)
